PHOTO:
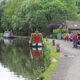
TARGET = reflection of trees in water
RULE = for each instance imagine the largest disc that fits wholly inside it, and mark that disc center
(17, 61)
(17, 58)
(1, 43)
(21, 42)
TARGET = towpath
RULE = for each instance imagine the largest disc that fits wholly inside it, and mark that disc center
(69, 67)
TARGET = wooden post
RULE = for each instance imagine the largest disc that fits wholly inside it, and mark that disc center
(53, 41)
(58, 47)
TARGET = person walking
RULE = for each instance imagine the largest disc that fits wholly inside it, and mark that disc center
(67, 37)
(75, 41)
(71, 36)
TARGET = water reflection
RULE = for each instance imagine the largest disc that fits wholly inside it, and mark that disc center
(5, 74)
(22, 60)
(36, 52)
(8, 41)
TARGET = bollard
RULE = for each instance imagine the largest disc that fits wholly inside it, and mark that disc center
(58, 47)
(53, 42)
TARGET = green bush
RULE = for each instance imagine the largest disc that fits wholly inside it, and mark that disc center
(8, 31)
(42, 77)
(44, 34)
(64, 31)
(56, 31)
(64, 35)
(50, 36)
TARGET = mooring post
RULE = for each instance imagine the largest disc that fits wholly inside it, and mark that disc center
(53, 41)
(58, 47)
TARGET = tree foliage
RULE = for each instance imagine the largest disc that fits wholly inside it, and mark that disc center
(23, 16)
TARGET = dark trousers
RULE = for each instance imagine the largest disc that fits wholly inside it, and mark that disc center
(74, 43)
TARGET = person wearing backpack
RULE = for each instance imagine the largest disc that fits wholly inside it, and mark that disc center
(67, 37)
(75, 41)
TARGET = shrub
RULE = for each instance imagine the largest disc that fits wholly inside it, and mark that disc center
(8, 31)
(55, 32)
(64, 30)
(42, 77)
(50, 36)
(64, 35)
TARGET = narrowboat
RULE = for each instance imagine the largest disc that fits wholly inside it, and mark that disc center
(36, 39)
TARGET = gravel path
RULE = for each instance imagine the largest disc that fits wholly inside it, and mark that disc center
(69, 68)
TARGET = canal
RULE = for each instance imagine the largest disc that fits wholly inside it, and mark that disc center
(18, 61)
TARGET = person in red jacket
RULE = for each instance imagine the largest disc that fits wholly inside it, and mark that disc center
(75, 40)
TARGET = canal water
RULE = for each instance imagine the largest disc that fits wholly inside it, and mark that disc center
(18, 61)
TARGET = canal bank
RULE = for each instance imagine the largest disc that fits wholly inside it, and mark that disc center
(69, 67)
(54, 56)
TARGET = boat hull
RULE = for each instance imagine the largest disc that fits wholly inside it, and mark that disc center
(36, 44)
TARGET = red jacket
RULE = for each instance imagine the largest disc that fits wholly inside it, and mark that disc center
(75, 37)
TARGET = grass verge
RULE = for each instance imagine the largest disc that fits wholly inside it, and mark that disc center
(53, 65)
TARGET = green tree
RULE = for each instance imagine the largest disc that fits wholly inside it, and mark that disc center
(2, 7)
(72, 9)
(23, 16)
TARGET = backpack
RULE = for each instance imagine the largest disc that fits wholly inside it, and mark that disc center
(75, 37)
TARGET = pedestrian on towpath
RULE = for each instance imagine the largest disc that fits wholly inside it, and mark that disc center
(67, 36)
(75, 41)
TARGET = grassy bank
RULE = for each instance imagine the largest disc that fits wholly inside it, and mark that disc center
(53, 65)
